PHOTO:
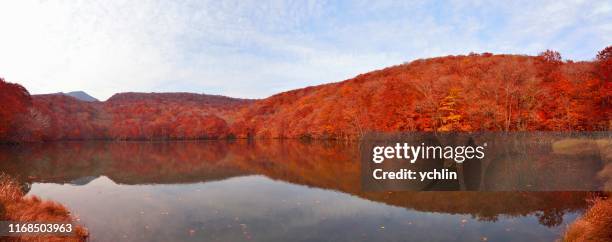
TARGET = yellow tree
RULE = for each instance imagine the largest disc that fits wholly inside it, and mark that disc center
(451, 114)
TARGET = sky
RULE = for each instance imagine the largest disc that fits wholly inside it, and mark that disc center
(254, 49)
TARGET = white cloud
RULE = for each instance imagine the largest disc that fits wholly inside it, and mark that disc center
(255, 49)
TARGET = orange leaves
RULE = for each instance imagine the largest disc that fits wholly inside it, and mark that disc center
(130, 117)
(452, 110)
(551, 56)
(454, 93)
(490, 92)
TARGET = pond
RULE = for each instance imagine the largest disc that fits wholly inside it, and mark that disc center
(266, 191)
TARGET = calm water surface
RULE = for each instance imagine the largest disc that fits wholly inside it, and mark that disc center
(266, 191)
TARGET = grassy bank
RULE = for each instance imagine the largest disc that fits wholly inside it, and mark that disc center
(594, 225)
(14, 206)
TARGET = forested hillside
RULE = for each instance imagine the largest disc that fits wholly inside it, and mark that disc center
(454, 93)
(478, 92)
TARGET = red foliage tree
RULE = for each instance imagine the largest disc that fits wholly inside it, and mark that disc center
(453, 93)
(604, 64)
(14, 101)
(551, 56)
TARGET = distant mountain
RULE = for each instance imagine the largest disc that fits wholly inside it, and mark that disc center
(192, 116)
(83, 180)
(478, 92)
(83, 96)
(182, 97)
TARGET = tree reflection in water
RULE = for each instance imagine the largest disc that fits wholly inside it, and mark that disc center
(328, 165)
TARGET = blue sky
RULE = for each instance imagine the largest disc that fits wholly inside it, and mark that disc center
(254, 49)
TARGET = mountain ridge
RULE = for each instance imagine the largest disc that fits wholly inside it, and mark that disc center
(477, 92)
(175, 96)
(83, 96)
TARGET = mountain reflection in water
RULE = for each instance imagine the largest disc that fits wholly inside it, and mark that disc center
(266, 191)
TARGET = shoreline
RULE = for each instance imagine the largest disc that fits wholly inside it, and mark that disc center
(19, 207)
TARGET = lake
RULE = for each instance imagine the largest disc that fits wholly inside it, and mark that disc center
(266, 191)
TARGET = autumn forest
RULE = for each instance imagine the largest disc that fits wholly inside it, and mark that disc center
(475, 92)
